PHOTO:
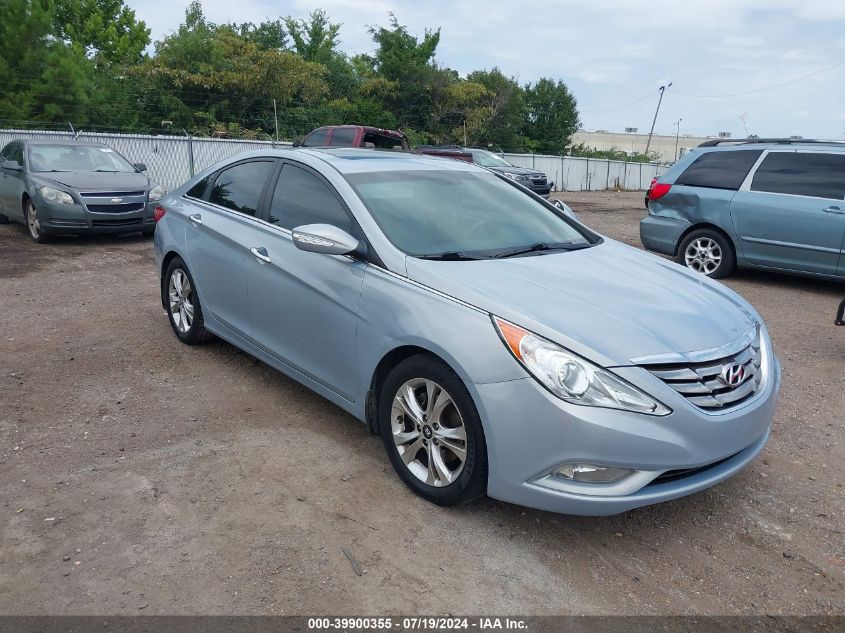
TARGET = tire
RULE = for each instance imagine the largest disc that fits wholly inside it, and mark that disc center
(148, 232)
(183, 306)
(708, 252)
(4, 219)
(444, 413)
(33, 225)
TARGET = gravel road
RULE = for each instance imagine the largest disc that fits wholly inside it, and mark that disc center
(141, 476)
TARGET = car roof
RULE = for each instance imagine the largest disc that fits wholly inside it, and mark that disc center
(349, 160)
(58, 141)
(773, 143)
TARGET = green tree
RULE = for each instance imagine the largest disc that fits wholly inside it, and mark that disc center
(506, 110)
(552, 116)
(105, 29)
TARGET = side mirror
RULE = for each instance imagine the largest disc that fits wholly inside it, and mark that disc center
(140, 167)
(324, 238)
(11, 165)
(297, 143)
(562, 206)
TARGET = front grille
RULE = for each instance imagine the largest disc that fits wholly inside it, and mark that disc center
(539, 182)
(116, 208)
(674, 475)
(129, 222)
(702, 384)
(111, 194)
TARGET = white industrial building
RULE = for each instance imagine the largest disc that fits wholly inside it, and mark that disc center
(634, 142)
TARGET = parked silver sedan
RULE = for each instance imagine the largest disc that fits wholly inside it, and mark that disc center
(497, 345)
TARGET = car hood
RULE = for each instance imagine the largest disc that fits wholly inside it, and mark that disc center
(521, 171)
(97, 181)
(610, 303)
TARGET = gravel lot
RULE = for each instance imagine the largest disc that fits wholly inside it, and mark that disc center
(141, 476)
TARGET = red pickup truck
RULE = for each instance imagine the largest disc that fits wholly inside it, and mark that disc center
(355, 136)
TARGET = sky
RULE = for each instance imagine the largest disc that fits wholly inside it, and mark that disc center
(775, 66)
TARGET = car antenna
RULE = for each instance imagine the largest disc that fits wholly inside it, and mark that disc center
(75, 133)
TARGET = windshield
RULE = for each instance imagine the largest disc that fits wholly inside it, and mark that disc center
(488, 159)
(77, 158)
(459, 213)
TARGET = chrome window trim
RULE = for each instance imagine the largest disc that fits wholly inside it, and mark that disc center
(701, 356)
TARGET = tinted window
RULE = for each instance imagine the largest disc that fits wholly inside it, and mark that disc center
(383, 141)
(344, 136)
(239, 188)
(302, 198)
(802, 174)
(316, 139)
(198, 190)
(719, 170)
(13, 152)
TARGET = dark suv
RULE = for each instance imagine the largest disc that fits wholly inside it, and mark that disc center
(775, 204)
(532, 179)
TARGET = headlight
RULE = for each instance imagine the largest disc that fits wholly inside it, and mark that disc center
(156, 193)
(572, 378)
(508, 174)
(55, 196)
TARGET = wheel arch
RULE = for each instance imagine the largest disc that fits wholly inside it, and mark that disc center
(705, 225)
(385, 365)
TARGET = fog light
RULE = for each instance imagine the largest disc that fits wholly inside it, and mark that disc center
(592, 473)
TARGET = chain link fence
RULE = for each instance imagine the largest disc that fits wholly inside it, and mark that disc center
(171, 160)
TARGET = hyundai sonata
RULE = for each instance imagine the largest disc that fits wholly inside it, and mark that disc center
(495, 344)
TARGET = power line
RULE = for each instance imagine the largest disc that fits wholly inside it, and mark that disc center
(625, 105)
(755, 91)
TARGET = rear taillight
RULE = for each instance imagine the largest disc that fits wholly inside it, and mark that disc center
(658, 190)
(158, 213)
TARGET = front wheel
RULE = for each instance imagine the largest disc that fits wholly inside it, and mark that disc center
(33, 224)
(432, 431)
(183, 304)
(707, 252)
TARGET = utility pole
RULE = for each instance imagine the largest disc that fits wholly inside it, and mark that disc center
(743, 118)
(662, 89)
(677, 134)
(276, 119)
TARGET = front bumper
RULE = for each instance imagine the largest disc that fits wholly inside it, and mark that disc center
(530, 433)
(662, 234)
(75, 218)
(543, 190)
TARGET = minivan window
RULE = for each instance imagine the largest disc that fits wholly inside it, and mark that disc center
(441, 213)
(343, 136)
(720, 170)
(239, 188)
(802, 174)
(316, 138)
(302, 198)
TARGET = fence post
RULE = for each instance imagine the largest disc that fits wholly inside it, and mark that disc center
(191, 155)
(625, 175)
(607, 179)
(562, 177)
(588, 174)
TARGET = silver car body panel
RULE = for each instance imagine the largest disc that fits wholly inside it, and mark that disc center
(328, 321)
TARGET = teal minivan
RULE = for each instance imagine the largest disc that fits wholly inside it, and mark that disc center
(774, 204)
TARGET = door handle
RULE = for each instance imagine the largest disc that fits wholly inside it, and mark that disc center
(835, 210)
(260, 254)
(196, 218)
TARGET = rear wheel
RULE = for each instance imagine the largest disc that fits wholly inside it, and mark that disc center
(183, 304)
(33, 224)
(432, 431)
(707, 252)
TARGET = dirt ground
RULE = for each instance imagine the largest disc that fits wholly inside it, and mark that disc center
(142, 476)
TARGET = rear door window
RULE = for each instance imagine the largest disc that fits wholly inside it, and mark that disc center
(344, 136)
(198, 190)
(302, 198)
(802, 174)
(317, 138)
(240, 187)
(720, 170)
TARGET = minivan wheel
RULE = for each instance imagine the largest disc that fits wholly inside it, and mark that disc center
(432, 431)
(183, 304)
(707, 252)
(33, 224)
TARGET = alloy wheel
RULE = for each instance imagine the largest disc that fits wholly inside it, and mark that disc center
(703, 255)
(429, 432)
(32, 222)
(180, 296)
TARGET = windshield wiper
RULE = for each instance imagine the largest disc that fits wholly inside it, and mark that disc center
(450, 256)
(544, 246)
